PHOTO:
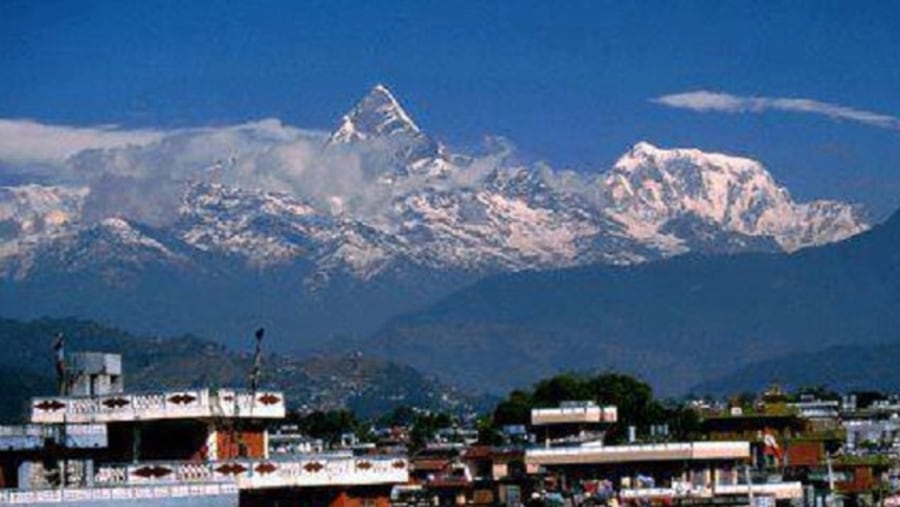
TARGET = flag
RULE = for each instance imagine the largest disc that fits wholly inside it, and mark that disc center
(770, 445)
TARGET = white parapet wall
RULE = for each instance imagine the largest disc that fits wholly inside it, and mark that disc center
(574, 414)
(645, 452)
(191, 403)
(212, 495)
(283, 471)
(780, 490)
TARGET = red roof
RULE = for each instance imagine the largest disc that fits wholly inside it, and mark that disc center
(429, 464)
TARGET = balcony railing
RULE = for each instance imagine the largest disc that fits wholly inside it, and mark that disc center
(282, 471)
(195, 403)
(34, 436)
(780, 491)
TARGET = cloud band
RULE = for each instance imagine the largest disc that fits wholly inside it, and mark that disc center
(707, 101)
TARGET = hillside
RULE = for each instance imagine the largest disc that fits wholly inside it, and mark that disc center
(365, 384)
(840, 368)
(676, 322)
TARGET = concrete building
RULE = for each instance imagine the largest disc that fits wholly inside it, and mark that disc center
(101, 446)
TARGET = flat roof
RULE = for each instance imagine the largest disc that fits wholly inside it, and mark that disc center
(584, 455)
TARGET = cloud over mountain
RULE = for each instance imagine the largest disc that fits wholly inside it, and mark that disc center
(31, 142)
(142, 174)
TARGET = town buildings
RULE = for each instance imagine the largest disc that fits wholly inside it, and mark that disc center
(100, 445)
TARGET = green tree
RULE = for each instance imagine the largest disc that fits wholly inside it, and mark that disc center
(684, 423)
(564, 387)
(329, 426)
(425, 426)
(515, 409)
(632, 396)
(400, 416)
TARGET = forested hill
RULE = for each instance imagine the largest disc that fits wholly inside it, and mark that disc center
(841, 368)
(366, 385)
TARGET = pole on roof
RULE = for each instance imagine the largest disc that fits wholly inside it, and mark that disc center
(59, 350)
(256, 371)
(749, 485)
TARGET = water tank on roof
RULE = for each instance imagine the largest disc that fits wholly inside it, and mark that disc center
(95, 374)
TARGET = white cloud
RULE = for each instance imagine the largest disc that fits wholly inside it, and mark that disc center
(707, 101)
(27, 141)
(142, 174)
(146, 182)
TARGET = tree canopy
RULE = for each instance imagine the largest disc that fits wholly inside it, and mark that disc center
(632, 396)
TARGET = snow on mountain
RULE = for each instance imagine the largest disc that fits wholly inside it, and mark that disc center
(113, 249)
(381, 122)
(266, 228)
(32, 213)
(378, 114)
(649, 186)
(441, 212)
(270, 229)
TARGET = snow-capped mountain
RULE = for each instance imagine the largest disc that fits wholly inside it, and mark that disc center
(418, 208)
(377, 115)
(32, 212)
(653, 203)
(381, 123)
(648, 187)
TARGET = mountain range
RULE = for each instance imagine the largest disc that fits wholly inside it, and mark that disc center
(376, 219)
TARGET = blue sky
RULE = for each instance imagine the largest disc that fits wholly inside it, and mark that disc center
(572, 84)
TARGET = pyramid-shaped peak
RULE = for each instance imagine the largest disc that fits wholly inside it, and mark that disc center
(378, 114)
(381, 89)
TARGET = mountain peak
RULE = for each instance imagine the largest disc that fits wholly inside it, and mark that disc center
(378, 114)
(643, 148)
(643, 153)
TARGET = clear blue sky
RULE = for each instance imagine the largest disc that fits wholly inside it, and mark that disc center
(569, 83)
